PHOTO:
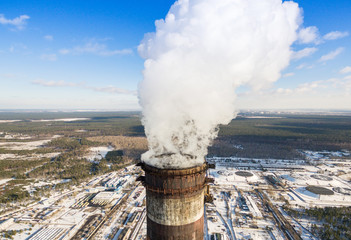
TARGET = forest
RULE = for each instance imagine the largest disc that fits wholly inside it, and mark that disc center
(313, 132)
(335, 221)
(280, 136)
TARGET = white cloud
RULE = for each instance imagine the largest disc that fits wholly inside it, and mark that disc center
(17, 48)
(303, 65)
(9, 75)
(307, 87)
(49, 37)
(108, 89)
(345, 70)
(309, 35)
(304, 53)
(111, 89)
(18, 22)
(54, 83)
(96, 48)
(344, 83)
(64, 51)
(334, 93)
(283, 91)
(49, 57)
(331, 55)
(289, 74)
(335, 35)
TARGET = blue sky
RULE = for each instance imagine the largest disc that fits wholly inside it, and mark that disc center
(83, 55)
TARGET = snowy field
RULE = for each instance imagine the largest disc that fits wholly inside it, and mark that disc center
(28, 145)
(9, 121)
(59, 216)
(97, 153)
(227, 176)
(62, 120)
(48, 120)
(237, 211)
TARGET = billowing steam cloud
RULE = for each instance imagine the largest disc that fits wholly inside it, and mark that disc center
(198, 56)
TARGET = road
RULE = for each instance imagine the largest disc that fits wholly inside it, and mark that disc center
(229, 215)
(138, 226)
(116, 207)
(281, 221)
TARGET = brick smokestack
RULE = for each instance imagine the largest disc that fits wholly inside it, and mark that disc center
(175, 202)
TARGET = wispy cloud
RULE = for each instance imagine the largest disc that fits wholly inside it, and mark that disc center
(335, 35)
(108, 89)
(304, 53)
(300, 89)
(289, 74)
(93, 47)
(309, 35)
(301, 66)
(307, 87)
(11, 76)
(64, 51)
(49, 57)
(345, 70)
(283, 91)
(317, 86)
(331, 55)
(344, 83)
(18, 22)
(54, 83)
(330, 93)
(18, 48)
(304, 65)
(48, 37)
(112, 89)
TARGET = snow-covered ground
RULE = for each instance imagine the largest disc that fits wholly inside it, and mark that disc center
(9, 121)
(260, 117)
(325, 174)
(11, 156)
(256, 163)
(316, 155)
(97, 153)
(24, 145)
(247, 234)
(28, 145)
(70, 209)
(3, 181)
(62, 120)
(227, 176)
(8, 156)
(59, 215)
(17, 136)
(307, 193)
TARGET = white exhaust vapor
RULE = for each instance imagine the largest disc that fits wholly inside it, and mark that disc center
(195, 60)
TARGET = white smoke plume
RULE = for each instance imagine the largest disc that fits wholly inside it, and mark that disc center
(200, 53)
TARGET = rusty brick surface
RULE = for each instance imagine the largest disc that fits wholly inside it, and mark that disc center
(192, 231)
(175, 202)
(175, 182)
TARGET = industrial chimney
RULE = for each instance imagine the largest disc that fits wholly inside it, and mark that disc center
(175, 202)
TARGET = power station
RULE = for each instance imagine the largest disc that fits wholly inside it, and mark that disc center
(175, 202)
